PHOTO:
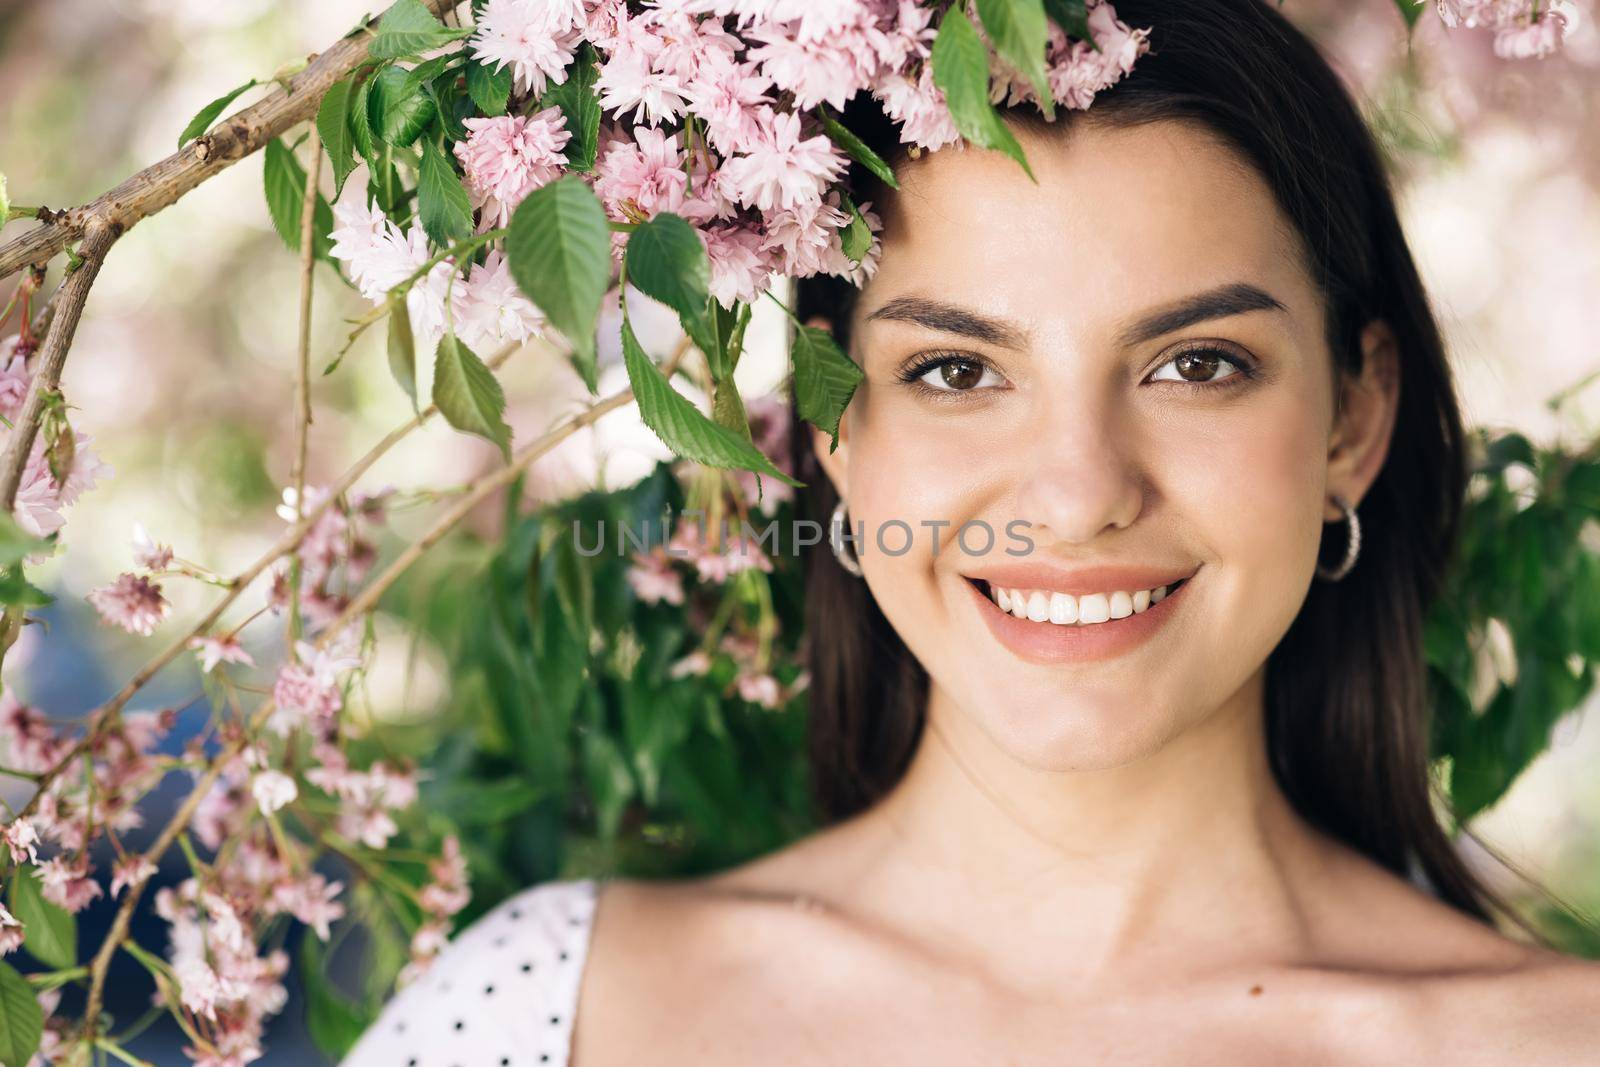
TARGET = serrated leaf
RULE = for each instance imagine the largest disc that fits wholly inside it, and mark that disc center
(443, 206)
(50, 933)
(333, 127)
(396, 117)
(727, 408)
(559, 252)
(402, 346)
(578, 101)
(681, 425)
(489, 88)
(16, 544)
(361, 135)
(21, 1018)
(408, 28)
(468, 394)
(961, 71)
(857, 149)
(824, 379)
(285, 183)
(667, 262)
(856, 240)
(1073, 18)
(1019, 31)
(207, 115)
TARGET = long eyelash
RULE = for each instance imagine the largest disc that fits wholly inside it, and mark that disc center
(925, 362)
(1247, 370)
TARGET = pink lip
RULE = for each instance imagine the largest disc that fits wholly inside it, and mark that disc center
(1049, 644)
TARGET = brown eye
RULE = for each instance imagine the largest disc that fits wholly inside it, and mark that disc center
(1199, 366)
(961, 374)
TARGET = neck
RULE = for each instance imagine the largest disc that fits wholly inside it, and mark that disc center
(1190, 854)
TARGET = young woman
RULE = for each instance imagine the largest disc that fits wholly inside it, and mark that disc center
(1156, 790)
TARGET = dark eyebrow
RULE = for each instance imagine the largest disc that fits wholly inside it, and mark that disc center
(1224, 300)
(950, 318)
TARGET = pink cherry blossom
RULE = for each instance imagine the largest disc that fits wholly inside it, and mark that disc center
(132, 602)
(726, 95)
(654, 580)
(507, 157)
(68, 884)
(638, 178)
(918, 106)
(147, 553)
(536, 38)
(1533, 39)
(130, 872)
(311, 899)
(741, 266)
(40, 499)
(490, 311)
(214, 650)
(781, 167)
(11, 932)
(628, 82)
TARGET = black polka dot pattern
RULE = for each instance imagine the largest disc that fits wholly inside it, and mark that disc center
(504, 991)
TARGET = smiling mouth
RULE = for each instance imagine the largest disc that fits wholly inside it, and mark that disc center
(1051, 608)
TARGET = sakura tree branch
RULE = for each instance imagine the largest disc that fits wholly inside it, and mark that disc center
(478, 491)
(103, 718)
(162, 184)
(308, 260)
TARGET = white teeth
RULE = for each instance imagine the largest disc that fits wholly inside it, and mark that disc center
(1064, 609)
(1094, 607)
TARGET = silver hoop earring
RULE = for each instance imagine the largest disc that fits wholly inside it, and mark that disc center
(1352, 544)
(846, 557)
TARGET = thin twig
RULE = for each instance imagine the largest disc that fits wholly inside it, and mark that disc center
(106, 715)
(162, 184)
(308, 260)
(481, 490)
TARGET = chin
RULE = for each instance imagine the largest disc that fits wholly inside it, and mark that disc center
(1072, 731)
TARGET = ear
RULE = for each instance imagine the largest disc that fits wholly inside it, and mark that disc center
(1364, 418)
(834, 464)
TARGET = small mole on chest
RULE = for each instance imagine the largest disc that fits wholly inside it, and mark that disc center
(1255, 991)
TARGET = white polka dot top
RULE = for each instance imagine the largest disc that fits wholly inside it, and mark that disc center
(501, 994)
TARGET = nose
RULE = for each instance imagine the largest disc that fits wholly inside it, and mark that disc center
(1082, 474)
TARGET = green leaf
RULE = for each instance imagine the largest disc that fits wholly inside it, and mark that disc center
(207, 115)
(285, 182)
(961, 71)
(361, 135)
(857, 150)
(21, 1018)
(443, 206)
(50, 931)
(1410, 12)
(5, 199)
(396, 116)
(610, 784)
(681, 425)
(856, 240)
(727, 408)
(408, 28)
(559, 251)
(403, 352)
(824, 379)
(666, 262)
(16, 591)
(1019, 30)
(333, 126)
(578, 101)
(1073, 18)
(468, 394)
(334, 1021)
(16, 544)
(488, 87)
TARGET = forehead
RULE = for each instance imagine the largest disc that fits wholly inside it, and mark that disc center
(1120, 218)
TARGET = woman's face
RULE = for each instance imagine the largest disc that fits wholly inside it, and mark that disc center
(1128, 357)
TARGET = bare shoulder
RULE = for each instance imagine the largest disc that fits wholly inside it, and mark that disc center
(1544, 1010)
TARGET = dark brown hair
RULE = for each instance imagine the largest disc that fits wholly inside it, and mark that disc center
(1347, 706)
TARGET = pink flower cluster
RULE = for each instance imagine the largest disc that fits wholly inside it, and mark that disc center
(1523, 29)
(40, 498)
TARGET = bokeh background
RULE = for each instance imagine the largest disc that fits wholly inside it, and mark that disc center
(182, 373)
